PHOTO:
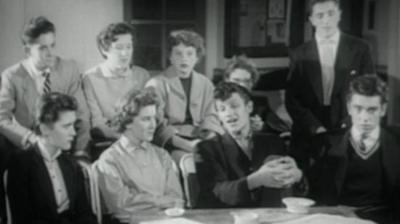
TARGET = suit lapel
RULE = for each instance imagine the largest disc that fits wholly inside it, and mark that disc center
(55, 76)
(196, 93)
(235, 156)
(342, 57)
(314, 71)
(68, 175)
(29, 92)
(174, 83)
(45, 182)
(258, 151)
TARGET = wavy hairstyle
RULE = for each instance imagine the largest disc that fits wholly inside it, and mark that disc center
(129, 106)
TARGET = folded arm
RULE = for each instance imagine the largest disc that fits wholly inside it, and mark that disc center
(214, 180)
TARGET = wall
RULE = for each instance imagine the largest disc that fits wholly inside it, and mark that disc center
(11, 20)
(77, 23)
(378, 37)
(393, 56)
(214, 35)
(215, 24)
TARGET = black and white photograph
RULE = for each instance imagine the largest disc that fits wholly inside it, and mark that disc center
(199, 111)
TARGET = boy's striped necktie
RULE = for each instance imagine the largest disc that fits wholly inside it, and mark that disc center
(47, 83)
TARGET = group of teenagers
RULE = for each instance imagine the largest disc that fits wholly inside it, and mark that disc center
(51, 118)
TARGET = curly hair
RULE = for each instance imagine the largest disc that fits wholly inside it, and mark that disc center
(188, 38)
(129, 106)
(51, 105)
(241, 62)
(108, 35)
(368, 85)
(36, 27)
(224, 91)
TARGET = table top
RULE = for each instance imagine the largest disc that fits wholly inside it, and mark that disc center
(223, 216)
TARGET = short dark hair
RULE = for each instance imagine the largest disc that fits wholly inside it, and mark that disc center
(129, 106)
(36, 27)
(108, 35)
(368, 85)
(241, 62)
(188, 38)
(224, 91)
(311, 4)
(51, 105)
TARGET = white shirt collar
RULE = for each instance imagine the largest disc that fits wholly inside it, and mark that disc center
(108, 74)
(32, 70)
(334, 39)
(129, 146)
(372, 136)
(45, 153)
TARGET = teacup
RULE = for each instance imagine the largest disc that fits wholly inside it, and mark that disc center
(298, 205)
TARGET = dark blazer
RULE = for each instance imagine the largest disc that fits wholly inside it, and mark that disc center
(31, 193)
(304, 94)
(222, 169)
(328, 174)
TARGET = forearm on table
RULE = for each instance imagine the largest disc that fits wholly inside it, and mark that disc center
(233, 192)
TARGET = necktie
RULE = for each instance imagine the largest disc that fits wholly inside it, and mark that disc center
(363, 146)
(47, 83)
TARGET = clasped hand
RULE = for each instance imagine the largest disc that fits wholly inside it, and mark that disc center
(279, 173)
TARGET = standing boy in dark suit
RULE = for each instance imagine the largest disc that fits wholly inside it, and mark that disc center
(45, 184)
(360, 167)
(240, 168)
(319, 75)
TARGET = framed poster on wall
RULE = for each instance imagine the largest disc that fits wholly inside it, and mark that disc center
(262, 28)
